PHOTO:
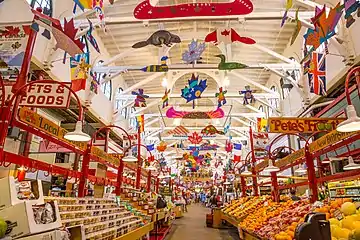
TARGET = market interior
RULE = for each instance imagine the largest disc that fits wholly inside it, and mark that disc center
(179, 119)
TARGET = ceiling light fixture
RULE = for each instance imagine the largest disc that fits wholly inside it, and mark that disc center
(352, 123)
(164, 82)
(77, 135)
(351, 165)
(129, 158)
(271, 167)
(301, 170)
(246, 172)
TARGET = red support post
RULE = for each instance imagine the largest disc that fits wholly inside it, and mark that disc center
(85, 173)
(311, 175)
(243, 186)
(106, 143)
(119, 177)
(253, 161)
(148, 183)
(138, 172)
(157, 185)
(275, 187)
(21, 79)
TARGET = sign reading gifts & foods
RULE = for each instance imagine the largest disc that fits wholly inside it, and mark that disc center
(302, 125)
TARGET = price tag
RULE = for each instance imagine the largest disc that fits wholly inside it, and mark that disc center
(338, 214)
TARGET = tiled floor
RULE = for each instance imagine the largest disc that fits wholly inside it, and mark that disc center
(193, 227)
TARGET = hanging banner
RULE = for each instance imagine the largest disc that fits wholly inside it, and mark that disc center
(45, 125)
(13, 41)
(302, 125)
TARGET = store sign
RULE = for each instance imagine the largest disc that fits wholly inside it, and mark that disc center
(303, 125)
(45, 125)
(105, 156)
(47, 146)
(321, 143)
(43, 95)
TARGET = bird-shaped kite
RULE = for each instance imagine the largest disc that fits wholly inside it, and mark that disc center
(194, 90)
(221, 97)
(223, 65)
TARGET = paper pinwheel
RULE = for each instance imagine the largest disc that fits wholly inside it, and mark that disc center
(194, 90)
(194, 52)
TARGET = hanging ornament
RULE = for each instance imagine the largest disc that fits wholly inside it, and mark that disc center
(194, 90)
(140, 100)
(227, 36)
(228, 146)
(195, 138)
(248, 95)
(163, 67)
(162, 146)
(351, 6)
(165, 98)
(194, 52)
(221, 97)
(158, 39)
(223, 65)
(289, 4)
(211, 130)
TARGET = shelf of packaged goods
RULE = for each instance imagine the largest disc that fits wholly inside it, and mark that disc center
(229, 219)
(115, 228)
(137, 233)
(84, 219)
(330, 188)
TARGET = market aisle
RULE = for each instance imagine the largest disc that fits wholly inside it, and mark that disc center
(193, 227)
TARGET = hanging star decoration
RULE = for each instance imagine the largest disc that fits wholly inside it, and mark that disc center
(351, 6)
(248, 95)
(194, 90)
(195, 138)
(221, 97)
(194, 52)
(140, 100)
(165, 98)
(324, 27)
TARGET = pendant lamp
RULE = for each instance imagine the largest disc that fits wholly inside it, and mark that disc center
(151, 168)
(77, 135)
(130, 158)
(271, 167)
(352, 123)
(301, 170)
(246, 172)
(351, 165)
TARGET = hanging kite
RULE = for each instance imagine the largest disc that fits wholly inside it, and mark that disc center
(195, 138)
(158, 39)
(324, 27)
(317, 74)
(162, 146)
(91, 38)
(351, 6)
(297, 29)
(289, 4)
(211, 130)
(165, 99)
(221, 97)
(248, 95)
(227, 36)
(228, 146)
(145, 10)
(194, 53)
(140, 100)
(163, 67)
(262, 125)
(172, 113)
(194, 90)
(223, 65)
(97, 5)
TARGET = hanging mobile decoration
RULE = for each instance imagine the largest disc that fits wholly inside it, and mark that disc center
(194, 90)
(65, 37)
(297, 29)
(228, 146)
(211, 130)
(79, 68)
(163, 67)
(158, 39)
(227, 36)
(223, 65)
(194, 53)
(162, 146)
(195, 138)
(140, 100)
(221, 97)
(324, 28)
(97, 5)
(145, 10)
(351, 6)
(165, 98)
(248, 95)
(172, 113)
(91, 38)
(289, 4)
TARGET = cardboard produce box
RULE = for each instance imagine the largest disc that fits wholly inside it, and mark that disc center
(21, 220)
(9, 194)
(52, 235)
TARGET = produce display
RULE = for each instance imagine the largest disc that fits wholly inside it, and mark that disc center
(3, 227)
(244, 208)
(101, 218)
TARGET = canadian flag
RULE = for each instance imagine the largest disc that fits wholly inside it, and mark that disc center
(227, 35)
